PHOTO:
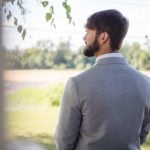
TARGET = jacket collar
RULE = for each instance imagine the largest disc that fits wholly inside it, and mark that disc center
(112, 60)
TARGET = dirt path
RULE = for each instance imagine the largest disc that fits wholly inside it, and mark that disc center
(18, 79)
(42, 75)
(38, 75)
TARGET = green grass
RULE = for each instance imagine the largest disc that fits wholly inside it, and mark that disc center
(36, 124)
(30, 114)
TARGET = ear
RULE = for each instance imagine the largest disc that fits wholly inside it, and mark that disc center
(103, 37)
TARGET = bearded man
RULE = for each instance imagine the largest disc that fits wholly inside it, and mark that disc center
(106, 107)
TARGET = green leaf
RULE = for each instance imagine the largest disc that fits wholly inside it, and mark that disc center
(52, 21)
(15, 21)
(64, 4)
(19, 29)
(70, 19)
(68, 8)
(51, 9)
(9, 15)
(44, 3)
(23, 34)
(48, 16)
(68, 15)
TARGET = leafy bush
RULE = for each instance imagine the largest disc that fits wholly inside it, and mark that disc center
(54, 94)
(37, 96)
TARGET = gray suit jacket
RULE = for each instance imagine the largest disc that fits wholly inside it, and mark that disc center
(106, 107)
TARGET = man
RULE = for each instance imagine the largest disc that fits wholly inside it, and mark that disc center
(107, 107)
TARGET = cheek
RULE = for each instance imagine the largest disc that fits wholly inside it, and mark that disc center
(90, 40)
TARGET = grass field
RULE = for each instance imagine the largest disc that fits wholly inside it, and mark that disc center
(37, 124)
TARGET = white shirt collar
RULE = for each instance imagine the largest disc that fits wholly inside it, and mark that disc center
(108, 55)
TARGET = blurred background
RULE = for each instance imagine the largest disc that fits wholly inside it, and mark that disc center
(42, 42)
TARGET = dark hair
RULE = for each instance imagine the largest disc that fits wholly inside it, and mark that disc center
(112, 22)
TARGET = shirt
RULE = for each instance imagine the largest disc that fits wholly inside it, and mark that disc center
(108, 55)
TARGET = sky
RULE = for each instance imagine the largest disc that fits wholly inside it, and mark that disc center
(137, 11)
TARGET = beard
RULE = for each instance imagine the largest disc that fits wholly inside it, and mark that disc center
(90, 50)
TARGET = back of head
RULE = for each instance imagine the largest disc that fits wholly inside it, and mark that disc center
(112, 22)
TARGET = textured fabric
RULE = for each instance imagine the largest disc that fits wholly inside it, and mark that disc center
(106, 107)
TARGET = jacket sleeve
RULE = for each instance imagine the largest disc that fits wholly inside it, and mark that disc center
(145, 128)
(68, 127)
(146, 122)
